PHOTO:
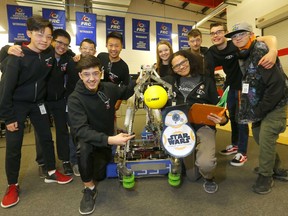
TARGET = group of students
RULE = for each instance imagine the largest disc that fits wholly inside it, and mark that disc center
(36, 81)
(26, 77)
(254, 76)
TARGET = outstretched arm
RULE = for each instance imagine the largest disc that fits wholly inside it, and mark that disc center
(119, 139)
(268, 60)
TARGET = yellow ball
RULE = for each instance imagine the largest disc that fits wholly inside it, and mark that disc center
(155, 97)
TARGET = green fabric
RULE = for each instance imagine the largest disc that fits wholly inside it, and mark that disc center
(223, 100)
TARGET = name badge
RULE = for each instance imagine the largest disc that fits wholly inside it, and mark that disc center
(245, 88)
(42, 109)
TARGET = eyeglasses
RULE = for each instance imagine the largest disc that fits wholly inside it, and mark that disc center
(93, 74)
(239, 35)
(41, 35)
(60, 43)
(217, 33)
(183, 63)
(87, 49)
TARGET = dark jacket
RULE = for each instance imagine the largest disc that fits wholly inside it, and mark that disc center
(24, 80)
(228, 59)
(266, 90)
(92, 114)
(57, 79)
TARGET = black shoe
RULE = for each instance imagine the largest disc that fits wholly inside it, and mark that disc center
(263, 184)
(67, 168)
(87, 205)
(279, 174)
(42, 171)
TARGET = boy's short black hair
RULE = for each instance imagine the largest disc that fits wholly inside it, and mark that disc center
(87, 40)
(38, 23)
(116, 35)
(216, 24)
(88, 61)
(61, 32)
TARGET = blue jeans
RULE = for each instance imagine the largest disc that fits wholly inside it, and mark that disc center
(240, 132)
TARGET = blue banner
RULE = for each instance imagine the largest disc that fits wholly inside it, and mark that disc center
(85, 27)
(163, 32)
(56, 17)
(17, 17)
(182, 36)
(141, 34)
(116, 24)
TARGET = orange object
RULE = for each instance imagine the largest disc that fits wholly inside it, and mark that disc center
(198, 113)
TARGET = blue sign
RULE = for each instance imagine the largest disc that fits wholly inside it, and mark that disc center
(163, 32)
(85, 27)
(56, 17)
(141, 34)
(183, 31)
(116, 24)
(17, 17)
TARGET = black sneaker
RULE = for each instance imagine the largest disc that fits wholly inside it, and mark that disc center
(87, 204)
(263, 184)
(279, 174)
(210, 186)
(42, 171)
(67, 168)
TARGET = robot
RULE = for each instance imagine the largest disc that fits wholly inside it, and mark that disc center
(155, 156)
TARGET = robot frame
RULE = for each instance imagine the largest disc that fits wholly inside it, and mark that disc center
(156, 156)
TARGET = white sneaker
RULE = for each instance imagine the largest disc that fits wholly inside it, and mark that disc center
(238, 160)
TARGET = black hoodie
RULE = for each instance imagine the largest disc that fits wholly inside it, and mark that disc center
(24, 80)
(92, 113)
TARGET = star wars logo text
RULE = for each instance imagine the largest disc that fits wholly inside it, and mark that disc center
(177, 139)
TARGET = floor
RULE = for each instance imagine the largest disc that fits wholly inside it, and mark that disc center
(151, 196)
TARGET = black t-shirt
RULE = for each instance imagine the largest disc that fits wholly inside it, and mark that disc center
(164, 70)
(115, 72)
(228, 59)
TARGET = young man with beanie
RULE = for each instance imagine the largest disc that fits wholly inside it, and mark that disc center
(263, 101)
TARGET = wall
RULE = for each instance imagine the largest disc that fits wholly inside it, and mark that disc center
(140, 9)
(248, 10)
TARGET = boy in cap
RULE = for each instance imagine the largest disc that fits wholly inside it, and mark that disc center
(263, 101)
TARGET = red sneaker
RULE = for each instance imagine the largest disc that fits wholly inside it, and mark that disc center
(59, 178)
(11, 197)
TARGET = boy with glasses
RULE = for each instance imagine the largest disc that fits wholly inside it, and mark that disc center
(23, 90)
(224, 53)
(263, 101)
(94, 133)
(55, 100)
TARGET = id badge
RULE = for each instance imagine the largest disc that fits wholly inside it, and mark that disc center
(245, 88)
(42, 109)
